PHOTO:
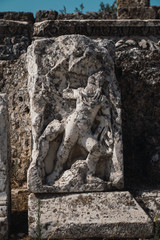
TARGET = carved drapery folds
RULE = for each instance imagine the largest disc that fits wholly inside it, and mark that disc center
(76, 116)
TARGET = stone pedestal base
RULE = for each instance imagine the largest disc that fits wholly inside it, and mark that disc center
(87, 215)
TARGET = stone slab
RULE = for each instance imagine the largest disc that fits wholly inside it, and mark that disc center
(92, 157)
(150, 201)
(109, 215)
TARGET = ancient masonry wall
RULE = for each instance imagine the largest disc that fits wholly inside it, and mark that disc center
(137, 55)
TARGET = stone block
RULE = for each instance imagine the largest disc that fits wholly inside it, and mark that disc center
(92, 28)
(137, 13)
(4, 169)
(14, 38)
(76, 116)
(46, 15)
(4, 148)
(17, 16)
(150, 201)
(132, 3)
(136, 9)
(88, 215)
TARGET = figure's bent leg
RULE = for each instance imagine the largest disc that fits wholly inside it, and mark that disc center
(92, 159)
(50, 133)
(92, 146)
(62, 156)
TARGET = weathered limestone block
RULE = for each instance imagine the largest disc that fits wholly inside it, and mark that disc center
(46, 15)
(4, 169)
(132, 3)
(76, 116)
(15, 37)
(136, 9)
(107, 215)
(105, 28)
(138, 13)
(17, 16)
(13, 82)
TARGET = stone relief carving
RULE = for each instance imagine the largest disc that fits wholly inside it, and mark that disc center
(77, 141)
(78, 127)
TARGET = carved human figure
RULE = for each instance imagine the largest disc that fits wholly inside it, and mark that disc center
(78, 127)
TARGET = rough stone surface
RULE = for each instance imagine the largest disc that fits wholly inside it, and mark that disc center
(17, 16)
(138, 74)
(135, 56)
(97, 28)
(133, 3)
(139, 13)
(19, 200)
(46, 15)
(137, 70)
(76, 116)
(107, 215)
(87, 15)
(136, 9)
(137, 43)
(150, 201)
(15, 37)
(53, 15)
(13, 82)
(4, 169)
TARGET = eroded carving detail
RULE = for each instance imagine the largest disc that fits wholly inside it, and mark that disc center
(78, 128)
(81, 149)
